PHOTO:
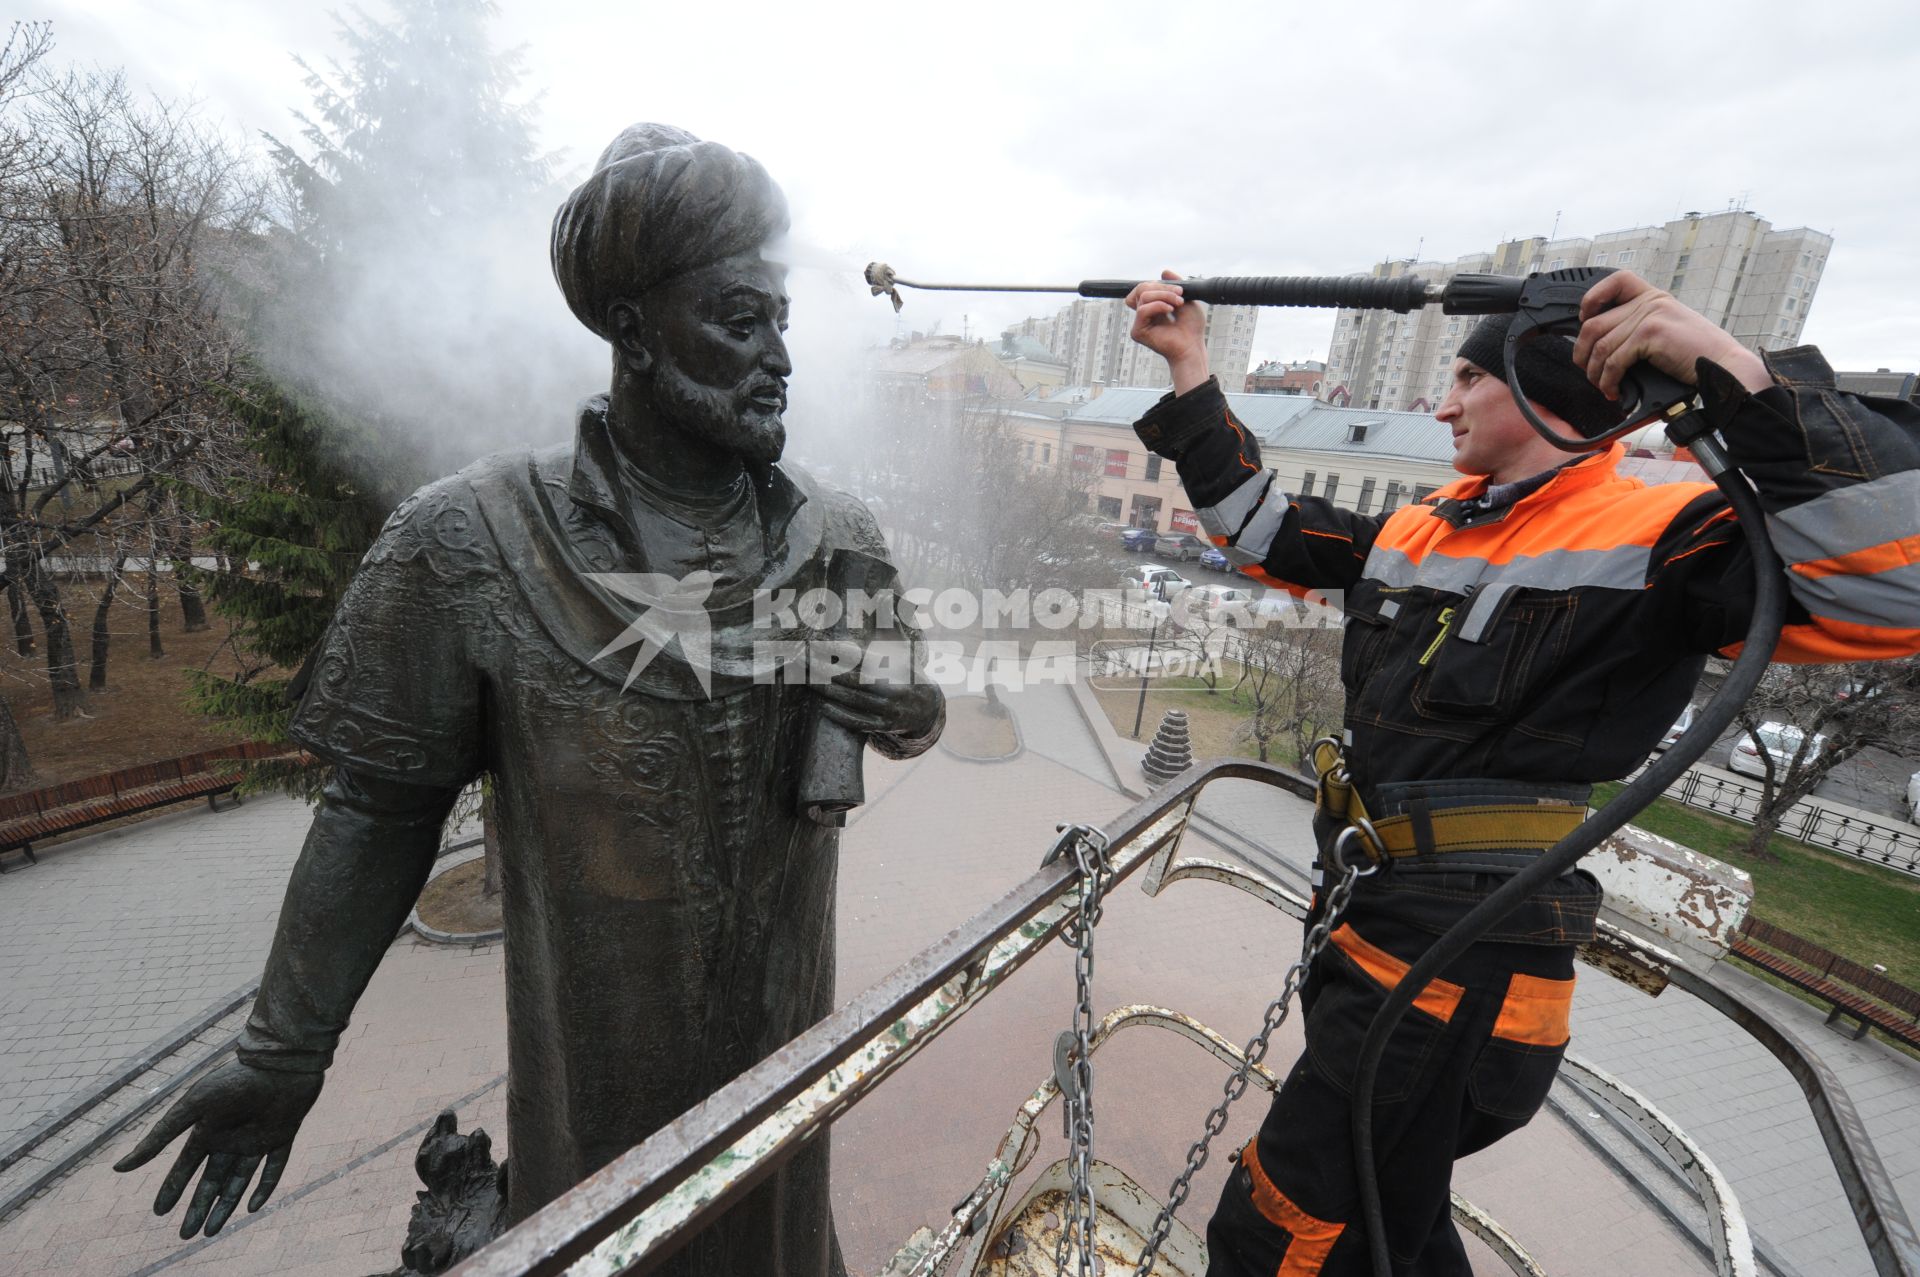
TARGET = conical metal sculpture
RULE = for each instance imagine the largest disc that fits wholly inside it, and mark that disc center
(1172, 750)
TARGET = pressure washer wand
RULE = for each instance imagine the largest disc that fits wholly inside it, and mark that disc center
(1356, 292)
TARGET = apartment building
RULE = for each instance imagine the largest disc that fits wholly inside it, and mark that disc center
(1091, 338)
(1733, 267)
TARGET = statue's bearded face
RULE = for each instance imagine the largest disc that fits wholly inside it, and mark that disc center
(719, 365)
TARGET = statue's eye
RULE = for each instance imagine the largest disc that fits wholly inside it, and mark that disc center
(740, 326)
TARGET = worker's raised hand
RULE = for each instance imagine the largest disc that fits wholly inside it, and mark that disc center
(1624, 320)
(1166, 323)
(236, 1117)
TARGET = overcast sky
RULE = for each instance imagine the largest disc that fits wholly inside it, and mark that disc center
(1041, 142)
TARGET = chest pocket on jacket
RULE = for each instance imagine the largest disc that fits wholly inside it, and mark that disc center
(1371, 614)
(1502, 648)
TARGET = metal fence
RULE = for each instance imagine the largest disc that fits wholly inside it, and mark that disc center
(1880, 839)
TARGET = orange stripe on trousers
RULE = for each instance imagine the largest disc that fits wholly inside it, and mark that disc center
(1439, 999)
(1535, 1011)
(1312, 1238)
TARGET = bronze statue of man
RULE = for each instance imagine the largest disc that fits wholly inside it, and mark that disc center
(669, 905)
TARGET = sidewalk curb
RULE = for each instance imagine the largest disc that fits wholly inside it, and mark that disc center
(433, 935)
(1013, 720)
(1123, 756)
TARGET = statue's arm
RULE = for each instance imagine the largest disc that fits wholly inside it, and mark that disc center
(366, 857)
(372, 844)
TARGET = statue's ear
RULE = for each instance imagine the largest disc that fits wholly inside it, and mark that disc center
(623, 318)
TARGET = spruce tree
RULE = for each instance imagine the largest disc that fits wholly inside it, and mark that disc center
(413, 156)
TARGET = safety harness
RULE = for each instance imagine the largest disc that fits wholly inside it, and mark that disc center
(1442, 833)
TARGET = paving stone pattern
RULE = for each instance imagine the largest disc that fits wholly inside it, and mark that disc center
(938, 840)
(113, 942)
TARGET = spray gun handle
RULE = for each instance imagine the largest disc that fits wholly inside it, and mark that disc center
(1360, 292)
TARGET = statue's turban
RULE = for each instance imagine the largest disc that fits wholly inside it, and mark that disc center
(660, 203)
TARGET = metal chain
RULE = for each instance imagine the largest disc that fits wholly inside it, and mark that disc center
(1256, 1050)
(1073, 1049)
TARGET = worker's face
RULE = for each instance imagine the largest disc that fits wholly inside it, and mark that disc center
(717, 365)
(1490, 437)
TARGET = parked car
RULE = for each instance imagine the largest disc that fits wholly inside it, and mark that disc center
(1680, 725)
(1215, 560)
(1913, 797)
(1153, 580)
(1137, 540)
(1179, 546)
(1216, 605)
(1782, 741)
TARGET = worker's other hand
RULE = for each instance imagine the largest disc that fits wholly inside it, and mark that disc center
(236, 1117)
(1624, 320)
(1166, 323)
(859, 699)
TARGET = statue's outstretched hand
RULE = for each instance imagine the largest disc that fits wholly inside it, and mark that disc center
(236, 1117)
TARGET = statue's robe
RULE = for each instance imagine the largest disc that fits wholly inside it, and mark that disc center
(669, 911)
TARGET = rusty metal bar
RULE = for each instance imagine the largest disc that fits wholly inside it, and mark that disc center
(567, 1228)
(1884, 1225)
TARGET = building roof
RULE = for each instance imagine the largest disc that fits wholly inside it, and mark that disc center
(1881, 384)
(1021, 346)
(1124, 405)
(1412, 436)
(918, 358)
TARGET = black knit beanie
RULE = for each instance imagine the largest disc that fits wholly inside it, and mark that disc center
(1547, 374)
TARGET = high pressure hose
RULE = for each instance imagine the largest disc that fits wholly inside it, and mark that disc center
(1763, 632)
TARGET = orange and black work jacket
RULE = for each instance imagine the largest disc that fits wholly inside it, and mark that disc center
(1556, 638)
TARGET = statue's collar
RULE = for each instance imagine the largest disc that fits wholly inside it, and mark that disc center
(596, 467)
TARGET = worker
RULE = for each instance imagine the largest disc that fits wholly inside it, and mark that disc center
(1522, 633)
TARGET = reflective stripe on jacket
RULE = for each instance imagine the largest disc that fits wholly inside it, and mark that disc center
(1557, 638)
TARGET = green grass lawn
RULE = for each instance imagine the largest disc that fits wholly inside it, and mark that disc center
(1857, 909)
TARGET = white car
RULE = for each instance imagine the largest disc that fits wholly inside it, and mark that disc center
(1782, 741)
(1222, 605)
(1913, 797)
(1680, 725)
(1152, 580)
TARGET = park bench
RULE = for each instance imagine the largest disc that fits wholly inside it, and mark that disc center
(1868, 996)
(58, 809)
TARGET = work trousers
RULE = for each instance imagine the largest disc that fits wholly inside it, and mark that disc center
(1471, 1062)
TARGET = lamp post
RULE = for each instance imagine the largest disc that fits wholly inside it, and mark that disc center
(1159, 609)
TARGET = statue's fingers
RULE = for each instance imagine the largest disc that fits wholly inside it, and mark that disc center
(164, 1132)
(270, 1177)
(231, 1192)
(180, 1176)
(212, 1179)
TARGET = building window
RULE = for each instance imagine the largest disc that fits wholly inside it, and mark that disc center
(1624, 258)
(1799, 282)
(1357, 432)
(1109, 507)
(1394, 492)
(1332, 488)
(1366, 497)
(1306, 484)
(1422, 492)
(1559, 263)
(1599, 259)
(1681, 263)
(1046, 454)
(1083, 456)
(1153, 468)
(1790, 305)
(1116, 463)
(1029, 450)
(1678, 280)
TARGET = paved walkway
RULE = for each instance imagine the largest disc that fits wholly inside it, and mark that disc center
(112, 941)
(939, 839)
